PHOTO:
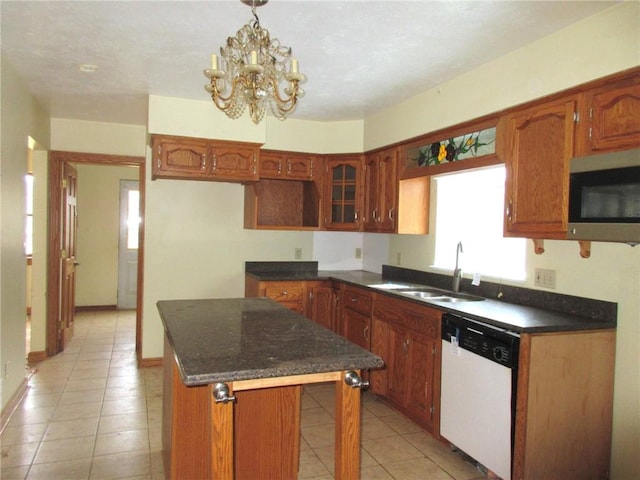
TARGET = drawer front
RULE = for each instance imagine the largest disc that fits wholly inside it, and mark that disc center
(285, 292)
(415, 317)
(358, 300)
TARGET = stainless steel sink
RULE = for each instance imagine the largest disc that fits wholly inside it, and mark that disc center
(458, 298)
(441, 296)
(423, 293)
(426, 293)
(390, 286)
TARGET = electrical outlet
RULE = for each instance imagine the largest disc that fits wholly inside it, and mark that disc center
(358, 252)
(399, 258)
(298, 254)
(545, 278)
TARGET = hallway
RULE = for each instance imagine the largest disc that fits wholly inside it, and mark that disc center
(92, 414)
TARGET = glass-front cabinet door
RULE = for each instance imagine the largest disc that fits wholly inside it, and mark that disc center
(344, 196)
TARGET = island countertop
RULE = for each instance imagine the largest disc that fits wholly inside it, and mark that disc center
(226, 340)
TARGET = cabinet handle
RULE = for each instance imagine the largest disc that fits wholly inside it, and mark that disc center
(374, 215)
(255, 164)
(285, 293)
(355, 216)
(221, 394)
(365, 333)
(215, 161)
(354, 299)
(391, 214)
(159, 155)
(288, 166)
(279, 167)
(509, 207)
(405, 345)
(203, 162)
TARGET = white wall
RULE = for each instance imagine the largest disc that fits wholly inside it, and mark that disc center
(99, 232)
(22, 117)
(605, 43)
(598, 46)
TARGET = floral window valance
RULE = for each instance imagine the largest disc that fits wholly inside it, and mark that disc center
(470, 145)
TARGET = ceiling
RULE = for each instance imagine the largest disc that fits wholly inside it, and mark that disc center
(360, 56)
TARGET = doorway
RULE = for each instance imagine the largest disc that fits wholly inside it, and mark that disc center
(56, 266)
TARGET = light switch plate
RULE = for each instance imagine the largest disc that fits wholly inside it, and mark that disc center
(545, 278)
(298, 254)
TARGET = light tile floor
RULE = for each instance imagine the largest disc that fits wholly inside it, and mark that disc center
(92, 414)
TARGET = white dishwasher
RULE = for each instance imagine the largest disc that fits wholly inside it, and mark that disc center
(479, 376)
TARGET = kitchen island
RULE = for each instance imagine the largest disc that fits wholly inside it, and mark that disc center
(233, 376)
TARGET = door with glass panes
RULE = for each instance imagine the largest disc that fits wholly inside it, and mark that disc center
(344, 198)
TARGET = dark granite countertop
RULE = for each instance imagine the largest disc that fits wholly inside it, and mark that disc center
(516, 309)
(225, 340)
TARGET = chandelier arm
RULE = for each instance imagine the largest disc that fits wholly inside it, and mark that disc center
(291, 100)
(218, 99)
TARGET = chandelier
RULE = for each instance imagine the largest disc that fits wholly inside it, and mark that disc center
(255, 71)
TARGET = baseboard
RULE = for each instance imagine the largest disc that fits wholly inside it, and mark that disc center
(36, 357)
(151, 362)
(91, 308)
(11, 406)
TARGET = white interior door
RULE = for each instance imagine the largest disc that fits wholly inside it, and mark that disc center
(128, 244)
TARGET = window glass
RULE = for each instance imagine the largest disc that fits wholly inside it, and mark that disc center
(133, 218)
(469, 209)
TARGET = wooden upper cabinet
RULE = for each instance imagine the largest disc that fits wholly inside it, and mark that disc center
(381, 191)
(610, 117)
(288, 165)
(343, 192)
(539, 150)
(180, 158)
(234, 162)
(204, 159)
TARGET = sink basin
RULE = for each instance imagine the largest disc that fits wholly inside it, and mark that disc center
(390, 286)
(457, 298)
(423, 293)
(442, 296)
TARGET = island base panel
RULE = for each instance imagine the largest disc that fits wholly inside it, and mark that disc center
(267, 433)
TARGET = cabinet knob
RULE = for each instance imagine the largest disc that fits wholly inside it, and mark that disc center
(352, 379)
(221, 393)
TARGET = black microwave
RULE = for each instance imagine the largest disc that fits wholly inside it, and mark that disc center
(604, 197)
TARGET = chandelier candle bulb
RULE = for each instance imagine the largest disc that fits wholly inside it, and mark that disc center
(214, 61)
(254, 57)
(294, 65)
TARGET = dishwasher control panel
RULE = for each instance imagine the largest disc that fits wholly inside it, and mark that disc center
(490, 342)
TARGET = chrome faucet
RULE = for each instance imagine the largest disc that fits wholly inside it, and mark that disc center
(457, 272)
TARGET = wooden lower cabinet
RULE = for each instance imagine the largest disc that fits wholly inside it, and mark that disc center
(291, 294)
(322, 301)
(407, 337)
(564, 406)
(356, 315)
